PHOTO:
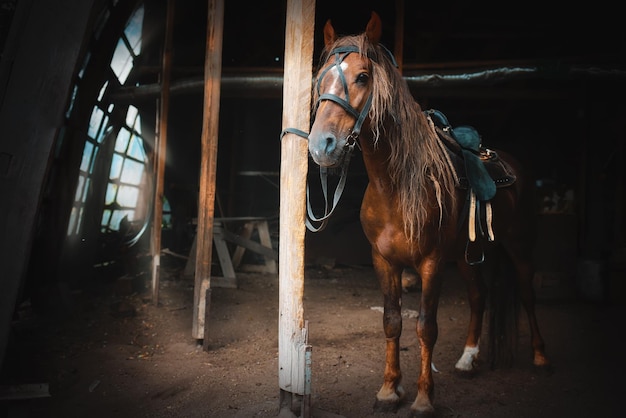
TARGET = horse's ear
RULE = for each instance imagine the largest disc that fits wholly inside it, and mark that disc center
(374, 28)
(329, 33)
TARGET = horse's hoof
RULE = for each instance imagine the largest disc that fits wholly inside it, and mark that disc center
(544, 370)
(422, 414)
(422, 407)
(425, 413)
(386, 406)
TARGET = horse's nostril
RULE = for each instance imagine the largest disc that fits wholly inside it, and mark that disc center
(331, 144)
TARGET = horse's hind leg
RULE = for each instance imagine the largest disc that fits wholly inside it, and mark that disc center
(389, 276)
(525, 273)
(476, 290)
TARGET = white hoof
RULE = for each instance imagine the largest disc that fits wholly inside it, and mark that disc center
(466, 362)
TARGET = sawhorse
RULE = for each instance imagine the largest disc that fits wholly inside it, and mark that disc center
(243, 242)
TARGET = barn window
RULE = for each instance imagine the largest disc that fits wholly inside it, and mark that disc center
(114, 143)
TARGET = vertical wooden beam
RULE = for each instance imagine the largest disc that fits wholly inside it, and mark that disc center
(299, 33)
(398, 48)
(208, 164)
(161, 151)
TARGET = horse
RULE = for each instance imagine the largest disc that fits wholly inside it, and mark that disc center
(414, 210)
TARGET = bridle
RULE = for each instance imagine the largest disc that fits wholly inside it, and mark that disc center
(339, 54)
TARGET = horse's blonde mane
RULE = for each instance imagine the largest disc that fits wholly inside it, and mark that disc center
(418, 166)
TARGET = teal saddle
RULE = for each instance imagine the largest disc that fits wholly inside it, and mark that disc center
(481, 172)
(478, 168)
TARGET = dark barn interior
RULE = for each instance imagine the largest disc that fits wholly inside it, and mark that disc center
(80, 90)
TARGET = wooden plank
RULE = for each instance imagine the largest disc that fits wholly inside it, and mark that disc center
(246, 233)
(258, 248)
(266, 241)
(161, 151)
(206, 199)
(224, 257)
(299, 36)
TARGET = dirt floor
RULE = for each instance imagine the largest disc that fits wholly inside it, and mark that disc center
(115, 354)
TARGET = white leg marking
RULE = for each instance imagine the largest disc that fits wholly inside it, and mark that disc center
(466, 361)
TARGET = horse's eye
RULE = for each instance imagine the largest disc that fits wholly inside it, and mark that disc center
(362, 78)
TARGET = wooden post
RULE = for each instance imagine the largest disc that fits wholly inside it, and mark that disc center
(299, 33)
(208, 164)
(398, 50)
(161, 151)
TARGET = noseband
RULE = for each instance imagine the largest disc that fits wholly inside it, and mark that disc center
(340, 55)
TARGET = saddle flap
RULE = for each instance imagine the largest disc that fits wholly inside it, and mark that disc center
(481, 169)
(467, 137)
(479, 179)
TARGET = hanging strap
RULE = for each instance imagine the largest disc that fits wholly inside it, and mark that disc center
(323, 220)
(328, 209)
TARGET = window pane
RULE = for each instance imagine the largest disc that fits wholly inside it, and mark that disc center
(93, 159)
(117, 217)
(133, 31)
(127, 196)
(84, 164)
(79, 219)
(131, 115)
(103, 132)
(86, 189)
(102, 91)
(116, 166)
(132, 172)
(122, 140)
(79, 187)
(136, 149)
(122, 62)
(110, 195)
(106, 216)
(137, 126)
(70, 227)
(94, 122)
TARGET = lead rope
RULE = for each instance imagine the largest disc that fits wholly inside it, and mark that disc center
(323, 220)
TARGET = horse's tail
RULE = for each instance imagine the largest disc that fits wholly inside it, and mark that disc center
(503, 309)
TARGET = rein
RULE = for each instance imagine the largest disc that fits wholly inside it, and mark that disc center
(324, 182)
(340, 54)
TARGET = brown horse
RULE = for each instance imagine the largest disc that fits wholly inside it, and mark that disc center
(413, 208)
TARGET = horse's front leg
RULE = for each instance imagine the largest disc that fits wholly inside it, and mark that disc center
(389, 276)
(427, 332)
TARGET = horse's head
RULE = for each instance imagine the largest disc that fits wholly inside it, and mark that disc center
(343, 92)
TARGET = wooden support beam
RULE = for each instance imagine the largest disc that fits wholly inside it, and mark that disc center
(292, 339)
(208, 164)
(398, 49)
(161, 151)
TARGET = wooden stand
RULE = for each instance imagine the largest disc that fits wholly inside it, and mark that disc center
(243, 241)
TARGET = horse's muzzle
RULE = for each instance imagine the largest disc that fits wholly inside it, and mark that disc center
(325, 149)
